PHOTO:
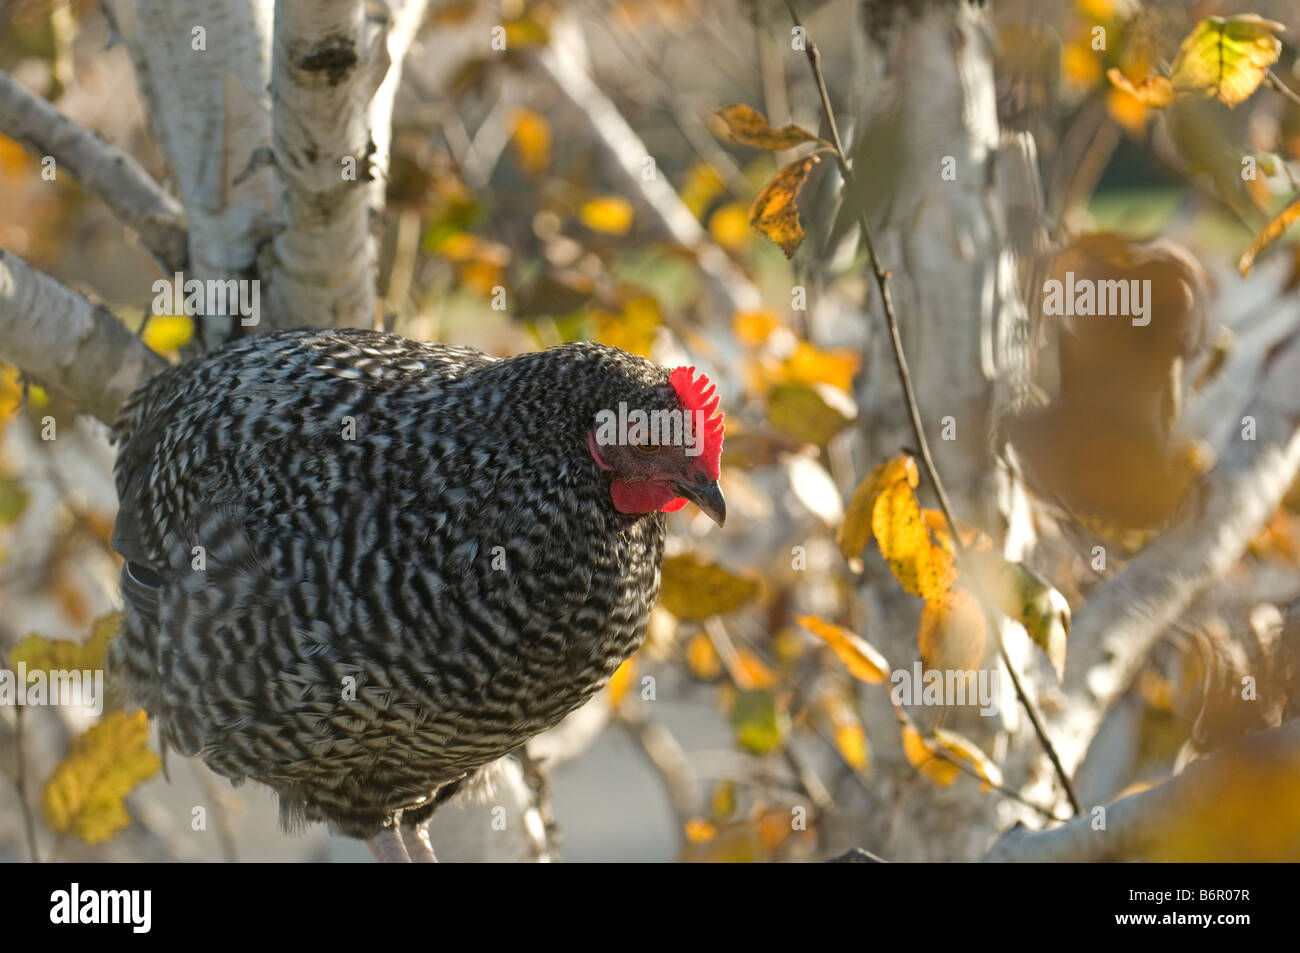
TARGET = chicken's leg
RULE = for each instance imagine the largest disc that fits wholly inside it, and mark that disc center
(418, 846)
(387, 847)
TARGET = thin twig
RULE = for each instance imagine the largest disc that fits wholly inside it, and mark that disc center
(1000, 788)
(20, 781)
(914, 412)
(1289, 94)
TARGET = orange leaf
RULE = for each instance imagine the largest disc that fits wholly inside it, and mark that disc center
(775, 212)
(1155, 91)
(531, 136)
(858, 656)
(621, 681)
(749, 127)
(922, 754)
(1269, 234)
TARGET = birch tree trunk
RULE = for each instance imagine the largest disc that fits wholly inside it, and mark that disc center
(936, 179)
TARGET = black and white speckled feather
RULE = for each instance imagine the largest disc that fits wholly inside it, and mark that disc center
(333, 617)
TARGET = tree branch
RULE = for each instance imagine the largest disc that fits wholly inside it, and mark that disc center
(1150, 825)
(107, 172)
(77, 350)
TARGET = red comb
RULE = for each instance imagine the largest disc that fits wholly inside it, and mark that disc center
(698, 393)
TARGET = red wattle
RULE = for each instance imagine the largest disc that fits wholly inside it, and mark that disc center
(636, 497)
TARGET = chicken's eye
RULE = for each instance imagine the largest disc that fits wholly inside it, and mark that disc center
(648, 447)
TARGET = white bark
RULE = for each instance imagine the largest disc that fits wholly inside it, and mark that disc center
(1153, 819)
(404, 19)
(104, 171)
(926, 91)
(207, 110)
(76, 350)
(327, 64)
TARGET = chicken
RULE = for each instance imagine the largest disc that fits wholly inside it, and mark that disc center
(360, 569)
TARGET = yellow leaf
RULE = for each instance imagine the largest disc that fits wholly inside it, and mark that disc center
(729, 226)
(952, 632)
(621, 681)
(922, 754)
(1152, 91)
(480, 263)
(961, 748)
(775, 212)
(724, 799)
(760, 723)
(703, 183)
(1270, 233)
(1222, 58)
(1227, 58)
(168, 332)
(749, 127)
(971, 537)
(753, 673)
(851, 741)
(754, 327)
(1080, 64)
(531, 135)
(809, 365)
(920, 566)
(37, 652)
(1097, 9)
(609, 214)
(861, 659)
(525, 32)
(700, 830)
(11, 390)
(856, 528)
(850, 737)
(693, 589)
(774, 827)
(85, 794)
(633, 329)
(702, 658)
(13, 499)
(1127, 110)
(459, 247)
(896, 522)
(811, 413)
(15, 161)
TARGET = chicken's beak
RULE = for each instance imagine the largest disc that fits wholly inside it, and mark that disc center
(705, 494)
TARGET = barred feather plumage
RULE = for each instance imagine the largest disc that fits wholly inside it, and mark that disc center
(360, 622)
